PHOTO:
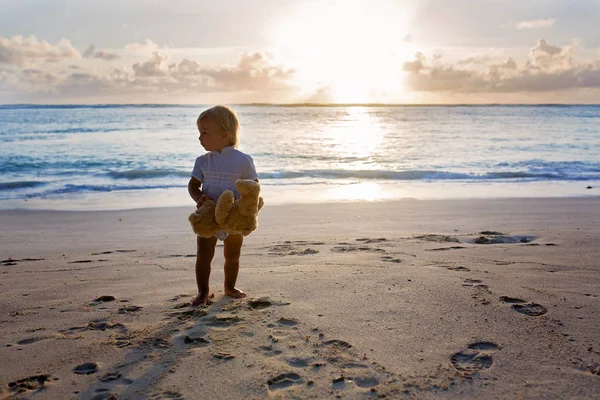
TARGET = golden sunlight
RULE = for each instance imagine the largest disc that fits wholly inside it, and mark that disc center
(364, 191)
(358, 134)
(352, 50)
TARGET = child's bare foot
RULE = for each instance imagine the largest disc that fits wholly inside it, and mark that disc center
(235, 293)
(200, 300)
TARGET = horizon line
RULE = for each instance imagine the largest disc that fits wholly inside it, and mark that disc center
(263, 104)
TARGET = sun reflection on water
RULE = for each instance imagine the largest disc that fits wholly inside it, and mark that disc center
(354, 140)
(357, 135)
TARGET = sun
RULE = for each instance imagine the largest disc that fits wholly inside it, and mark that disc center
(352, 49)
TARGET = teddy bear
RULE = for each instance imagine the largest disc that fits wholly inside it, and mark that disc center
(230, 215)
(203, 220)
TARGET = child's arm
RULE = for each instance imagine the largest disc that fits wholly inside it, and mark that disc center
(195, 191)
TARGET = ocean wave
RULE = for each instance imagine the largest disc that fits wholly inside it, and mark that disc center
(147, 174)
(20, 185)
(93, 106)
(74, 189)
(425, 175)
(537, 165)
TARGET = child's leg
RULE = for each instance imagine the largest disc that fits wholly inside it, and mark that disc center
(204, 255)
(232, 248)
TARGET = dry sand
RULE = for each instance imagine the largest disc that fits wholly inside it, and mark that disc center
(354, 300)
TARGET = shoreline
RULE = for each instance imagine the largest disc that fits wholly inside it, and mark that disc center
(391, 298)
(374, 192)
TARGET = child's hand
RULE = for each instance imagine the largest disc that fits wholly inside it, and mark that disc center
(201, 200)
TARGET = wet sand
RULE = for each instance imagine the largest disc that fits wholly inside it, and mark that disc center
(418, 299)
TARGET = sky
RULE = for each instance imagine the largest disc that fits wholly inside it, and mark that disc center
(299, 51)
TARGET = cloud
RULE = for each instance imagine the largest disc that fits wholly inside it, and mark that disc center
(478, 59)
(147, 47)
(548, 68)
(21, 52)
(156, 66)
(536, 23)
(255, 75)
(91, 52)
(253, 72)
(417, 65)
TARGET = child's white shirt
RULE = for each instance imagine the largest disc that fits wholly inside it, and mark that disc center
(218, 171)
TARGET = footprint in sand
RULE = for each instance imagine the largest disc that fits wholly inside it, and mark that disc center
(511, 300)
(259, 304)
(352, 248)
(446, 248)
(339, 383)
(280, 249)
(477, 357)
(156, 342)
(167, 394)
(491, 237)
(287, 322)
(195, 341)
(269, 351)
(476, 284)
(114, 377)
(390, 259)
(368, 240)
(122, 342)
(531, 309)
(187, 314)
(102, 324)
(337, 344)
(283, 381)
(305, 252)
(221, 355)
(32, 340)
(35, 382)
(129, 309)
(13, 261)
(438, 238)
(110, 376)
(87, 368)
(299, 362)
(265, 302)
(288, 248)
(104, 299)
(223, 321)
(459, 269)
(344, 382)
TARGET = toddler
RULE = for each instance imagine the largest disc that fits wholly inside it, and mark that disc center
(213, 173)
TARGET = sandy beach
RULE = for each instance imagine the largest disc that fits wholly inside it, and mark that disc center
(479, 299)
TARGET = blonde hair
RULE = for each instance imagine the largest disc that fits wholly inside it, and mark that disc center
(227, 120)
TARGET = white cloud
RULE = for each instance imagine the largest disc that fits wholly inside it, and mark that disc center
(22, 51)
(477, 59)
(549, 68)
(147, 47)
(254, 73)
(156, 66)
(536, 24)
(91, 52)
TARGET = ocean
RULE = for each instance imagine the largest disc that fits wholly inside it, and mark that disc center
(133, 156)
